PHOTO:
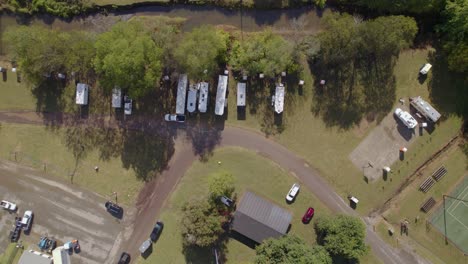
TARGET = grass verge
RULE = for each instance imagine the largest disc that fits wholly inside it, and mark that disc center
(12, 254)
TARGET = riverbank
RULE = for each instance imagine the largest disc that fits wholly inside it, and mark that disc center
(67, 10)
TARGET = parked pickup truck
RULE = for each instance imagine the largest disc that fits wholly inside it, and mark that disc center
(8, 206)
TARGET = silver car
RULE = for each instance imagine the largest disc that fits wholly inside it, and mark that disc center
(293, 192)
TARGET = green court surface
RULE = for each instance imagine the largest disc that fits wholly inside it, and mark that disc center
(454, 222)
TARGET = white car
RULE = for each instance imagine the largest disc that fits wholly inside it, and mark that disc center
(293, 192)
(127, 105)
(26, 220)
(174, 118)
(8, 205)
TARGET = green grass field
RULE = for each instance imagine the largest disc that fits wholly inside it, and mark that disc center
(428, 241)
(11, 255)
(36, 145)
(327, 148)
(251, 172)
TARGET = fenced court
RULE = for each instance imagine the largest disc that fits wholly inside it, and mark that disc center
(453, 221)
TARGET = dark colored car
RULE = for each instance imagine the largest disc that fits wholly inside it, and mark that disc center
(308, 215)
(114, 209)
(156, 231)
(124, 258)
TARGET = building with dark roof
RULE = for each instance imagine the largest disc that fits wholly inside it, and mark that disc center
(258, 219)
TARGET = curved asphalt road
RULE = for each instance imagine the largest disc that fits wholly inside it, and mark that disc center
(154, 194)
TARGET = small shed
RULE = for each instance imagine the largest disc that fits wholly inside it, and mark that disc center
(192, 98)
(116, 97)
(425, 109)
(241, 94)
(221, 95)
(181, 94)
(425, 69)
(203, 99)
(82, 91)
(258, 219)
(35, 257)
(279, 98)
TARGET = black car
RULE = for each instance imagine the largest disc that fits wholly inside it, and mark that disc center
(114, 209)
(124, 258)
(156, 231)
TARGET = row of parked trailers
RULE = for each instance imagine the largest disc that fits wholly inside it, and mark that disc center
(200, 91)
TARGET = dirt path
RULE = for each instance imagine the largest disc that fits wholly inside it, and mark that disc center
(153, 195)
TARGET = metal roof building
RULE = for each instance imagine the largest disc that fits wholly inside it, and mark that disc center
(61, 256)
(259, 219)
(241, 94)
(181, 94)
(425, 109)
(34, 257)
(203, 99)
(221, 95)
(279, 98)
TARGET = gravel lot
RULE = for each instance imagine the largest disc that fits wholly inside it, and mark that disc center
(62, 211)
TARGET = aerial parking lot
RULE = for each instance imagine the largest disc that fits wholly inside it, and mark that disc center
(61, 211)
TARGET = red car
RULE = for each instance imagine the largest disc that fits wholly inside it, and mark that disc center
(308, 215)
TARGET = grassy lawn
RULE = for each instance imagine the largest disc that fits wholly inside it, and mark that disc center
(36, 145)
(251, 172)
(16, 96)
(428, 241)
(11, 255)
(327, 148)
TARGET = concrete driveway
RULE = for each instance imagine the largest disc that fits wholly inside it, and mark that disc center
(62, 211)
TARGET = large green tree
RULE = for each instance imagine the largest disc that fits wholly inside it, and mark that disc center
(202, 51)
(221, 184)
(342, 235)
(201, 224)
(455, 34)
(290, 249)
(40, 51)
(126, 56)
(263, 52)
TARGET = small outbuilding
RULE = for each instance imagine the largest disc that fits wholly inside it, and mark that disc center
(35, 257)
(241, 94)
(258, 219)
(82, 91)
(203, 98)
(425, 109)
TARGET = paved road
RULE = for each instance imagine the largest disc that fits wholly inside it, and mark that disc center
(61, 210)
(152, 197)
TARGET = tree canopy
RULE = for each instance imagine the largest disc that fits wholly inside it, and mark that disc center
(290, 249)
(263, 52)
(342, 235)
(201, 224)
(221, 184)
(40, 51)
(126, 56)
(202, 51)
(398, 6)
(455, 34)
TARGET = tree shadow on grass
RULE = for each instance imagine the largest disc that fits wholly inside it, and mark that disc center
(204, 131)
(49, 99)
(147, 154)
(198, 255)
(448, 91)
